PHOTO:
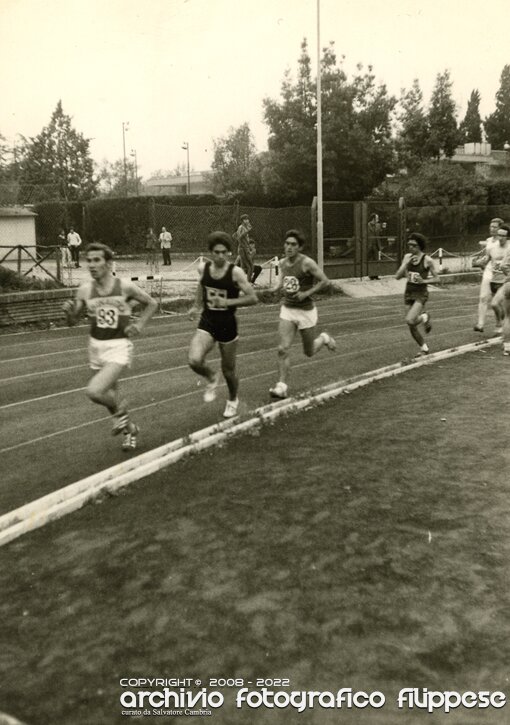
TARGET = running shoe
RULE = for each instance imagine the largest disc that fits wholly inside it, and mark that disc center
(120, 424)
(498, 330)
(426, 325)
(478, 328)
(279, 390)
(210, 389)
(129, 438)
(329, 341)
(506, 348)
(231, 408)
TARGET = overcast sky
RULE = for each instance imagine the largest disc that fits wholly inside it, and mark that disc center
(187, 70)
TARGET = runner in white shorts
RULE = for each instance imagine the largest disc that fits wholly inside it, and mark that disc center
(107, 301)
(299, 279)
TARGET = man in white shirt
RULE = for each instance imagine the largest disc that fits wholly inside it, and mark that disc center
(74, 244)
(485, 287)
(165, 241)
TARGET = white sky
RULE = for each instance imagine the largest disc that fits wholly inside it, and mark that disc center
(187, 70)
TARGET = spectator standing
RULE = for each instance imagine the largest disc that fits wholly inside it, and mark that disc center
(74, 244)
(65, 254)
(150, 247)
(257, 269)
(242, 237)
(165, 241)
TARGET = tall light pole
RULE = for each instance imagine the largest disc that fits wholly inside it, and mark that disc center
(320, 223)
(133, 155)
(125, 127)
(185, 146)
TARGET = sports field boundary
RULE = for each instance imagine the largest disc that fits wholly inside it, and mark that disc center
(57, 504)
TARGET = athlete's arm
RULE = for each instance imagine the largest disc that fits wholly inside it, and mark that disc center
(322, 282)
(73, 308)
(433, 277)
(248, 297)
(198, 303)
(133, 292)
(402, 270)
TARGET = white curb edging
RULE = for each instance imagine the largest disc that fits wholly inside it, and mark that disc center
(70, 498)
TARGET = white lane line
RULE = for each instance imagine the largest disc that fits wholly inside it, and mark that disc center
(70, 498)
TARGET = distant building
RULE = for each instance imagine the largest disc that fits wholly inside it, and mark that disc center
(17, 227)
(483, 161)
(178, 185)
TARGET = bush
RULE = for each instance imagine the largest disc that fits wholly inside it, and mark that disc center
(10, 281)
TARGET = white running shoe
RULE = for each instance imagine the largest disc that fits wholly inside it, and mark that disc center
(498, 330)
(129, 438)
(279, 390)
(120, 423)
(231, 408)
(210, 389)
(329, 341)
(506, 348)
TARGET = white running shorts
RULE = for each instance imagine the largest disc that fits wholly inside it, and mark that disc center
(102, 352)
(303, 319)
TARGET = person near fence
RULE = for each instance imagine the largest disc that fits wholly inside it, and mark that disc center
(74, 244)
(65, 254)
(374, 228)
(483, 261)
(256, 268)
(419, 270)
(165, 242)
(242, 237)
(106, 300)
(150, 247)
(300, 278)
(217, 298)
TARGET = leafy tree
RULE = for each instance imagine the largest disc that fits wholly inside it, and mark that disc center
(497, 125)
(442, 185)
(235, 166)
(470, 129)
(444, 134)
(413, 135)
(113, 182)
(59, 159)
(356, 133)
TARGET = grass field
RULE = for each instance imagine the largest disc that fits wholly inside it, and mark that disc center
(363, 544)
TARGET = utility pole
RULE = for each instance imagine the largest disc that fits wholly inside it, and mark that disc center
(185, 147)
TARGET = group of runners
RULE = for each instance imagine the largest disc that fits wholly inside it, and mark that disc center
(223, 287)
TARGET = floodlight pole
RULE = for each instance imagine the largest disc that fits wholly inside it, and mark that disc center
(320, 223)
(185, 146)
(125, 127)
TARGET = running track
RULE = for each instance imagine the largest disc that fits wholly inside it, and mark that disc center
(52, 435)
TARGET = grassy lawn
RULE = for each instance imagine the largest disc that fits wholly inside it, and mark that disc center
(362, 544)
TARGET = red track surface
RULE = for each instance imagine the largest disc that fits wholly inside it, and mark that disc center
(52, 435)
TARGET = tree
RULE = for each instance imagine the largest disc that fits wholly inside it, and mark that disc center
(470, 129)
(58, 161)
(444, 135)
(356, 132)
(113, 182)
(442, 185)
(413, 135)
(235, 166)
(497, 125)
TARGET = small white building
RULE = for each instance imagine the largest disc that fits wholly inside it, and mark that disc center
(17, 226)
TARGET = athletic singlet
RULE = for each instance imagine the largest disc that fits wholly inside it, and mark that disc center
(296, 279)
(109, 314)
(213, 288)
(414, 269)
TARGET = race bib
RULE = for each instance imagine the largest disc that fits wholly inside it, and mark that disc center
(291, 285)
(107, 317)
(212, 297)
(414, 277)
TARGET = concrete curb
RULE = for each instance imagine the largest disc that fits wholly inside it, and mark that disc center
(70, 498)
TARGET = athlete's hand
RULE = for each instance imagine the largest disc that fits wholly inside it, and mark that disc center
(68, 310)
(193, 312)
(133, 329)
(300, 296)
(220, 302)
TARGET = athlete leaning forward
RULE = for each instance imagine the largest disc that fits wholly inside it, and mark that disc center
(217, 298)
(107, 299)
(419, 270)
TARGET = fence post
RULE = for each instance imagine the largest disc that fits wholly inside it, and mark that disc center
(440, 257)
(19, 248)
(59, 263)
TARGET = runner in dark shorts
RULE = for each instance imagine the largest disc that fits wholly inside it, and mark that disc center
(419, 270)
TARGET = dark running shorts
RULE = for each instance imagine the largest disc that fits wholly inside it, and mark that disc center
(495, 286)
(220, 325)
(416, 296)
